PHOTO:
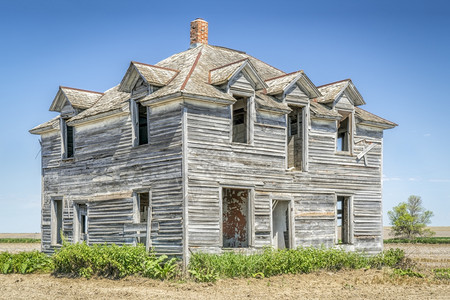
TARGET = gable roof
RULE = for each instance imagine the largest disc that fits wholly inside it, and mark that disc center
(332, 91)
(153, 75)
(50, 125)
(78, 98)
(281, 84)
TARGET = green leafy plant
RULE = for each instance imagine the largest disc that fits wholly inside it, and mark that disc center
(442, 274)
(24, 262)
(407, 272)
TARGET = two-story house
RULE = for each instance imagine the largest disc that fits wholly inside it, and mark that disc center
(213, 149)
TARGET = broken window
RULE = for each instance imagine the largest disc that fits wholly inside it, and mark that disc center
(343, 221)
(57, 221)
(80, 229)
(295, 138)
(139, 115)
(143, 204)
(344, 136)
(67, 139)
(240, 120)
(235, 225)
(280, 224)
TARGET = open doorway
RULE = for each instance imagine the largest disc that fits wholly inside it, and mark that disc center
(281, 225)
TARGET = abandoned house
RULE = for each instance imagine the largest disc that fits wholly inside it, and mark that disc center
(212, 149)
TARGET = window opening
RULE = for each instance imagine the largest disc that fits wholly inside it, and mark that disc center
(240, 120)
(280, 224)
(57, 221)
(295, 138)
(143, 204)
(70, 137)
(67, 136)
(235, 227)
(143, 124)
(343, 220)
(344, 133)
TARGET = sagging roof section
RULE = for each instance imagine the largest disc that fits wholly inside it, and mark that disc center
(81, 99)
(332, 91)
(367, 118)
(280, 84)
(153, 75)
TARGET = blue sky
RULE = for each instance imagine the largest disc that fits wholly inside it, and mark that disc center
(396, 53)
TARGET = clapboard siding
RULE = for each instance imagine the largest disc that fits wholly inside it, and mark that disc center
(105, 162)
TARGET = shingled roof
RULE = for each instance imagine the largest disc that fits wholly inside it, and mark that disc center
(197, 72)
(78, 98)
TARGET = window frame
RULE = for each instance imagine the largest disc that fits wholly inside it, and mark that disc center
(250, 118)
(134, 109)
(250, 216)
(65, 140)
(349, 135)
(56, 229)
(350, 222)
(136, 213)
(305, 135)
(291, 214)
(77, 222)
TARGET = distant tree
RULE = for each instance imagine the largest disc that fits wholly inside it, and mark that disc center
(409, 219)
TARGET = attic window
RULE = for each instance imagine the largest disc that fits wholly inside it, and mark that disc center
(139, 114)
(344, 132)
(240, 120)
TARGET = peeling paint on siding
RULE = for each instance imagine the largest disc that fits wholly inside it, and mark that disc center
(235, 216)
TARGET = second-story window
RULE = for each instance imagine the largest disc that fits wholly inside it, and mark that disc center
(67, 140)
(139, 115)
(295, 138)
(240, 120)
(344, 133)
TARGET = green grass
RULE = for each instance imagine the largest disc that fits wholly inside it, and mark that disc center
(420, 240)
(209, 267)
(19, 240)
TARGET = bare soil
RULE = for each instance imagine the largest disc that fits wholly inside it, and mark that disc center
(352, 284)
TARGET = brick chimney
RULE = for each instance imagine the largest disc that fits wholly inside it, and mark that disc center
(199, 32)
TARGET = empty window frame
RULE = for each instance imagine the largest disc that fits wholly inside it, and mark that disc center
(344, 132)
(236, 218)
(139, 115)
(281, 224)
(295, 139)
(67, 140)
(241, 128)
(80, 224)
(56, 220)
(343, 220)
(143, 216)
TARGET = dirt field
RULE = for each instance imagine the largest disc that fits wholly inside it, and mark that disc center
(355, 284)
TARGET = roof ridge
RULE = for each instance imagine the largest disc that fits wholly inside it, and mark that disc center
(299, 71)
(148, 65)
(229, 64)
(339, 81)
(88, 91)
(194, 65)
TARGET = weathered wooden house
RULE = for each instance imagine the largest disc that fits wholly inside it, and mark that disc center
(213, 149)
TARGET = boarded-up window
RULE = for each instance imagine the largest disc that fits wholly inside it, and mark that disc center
(240, 121)
(57, 220)
(295, 138)
(343, 219)
(235, 227)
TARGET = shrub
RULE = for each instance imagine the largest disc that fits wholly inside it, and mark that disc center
(112, 261)
(24, 262)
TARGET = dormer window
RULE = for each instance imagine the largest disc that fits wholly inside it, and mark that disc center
(67, 140)
(139, 115)
(296, 142)
(240, 120)
(344, 132)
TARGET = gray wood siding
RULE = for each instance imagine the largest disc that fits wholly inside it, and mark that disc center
(105, 162)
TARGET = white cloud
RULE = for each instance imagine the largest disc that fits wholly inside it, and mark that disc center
(386, 178)
(444, 180)
(427, 134)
